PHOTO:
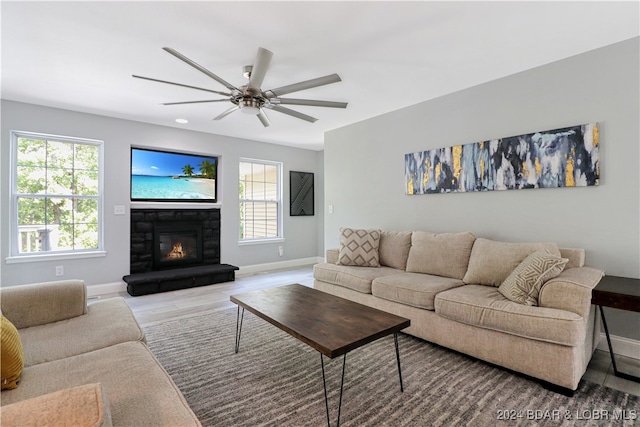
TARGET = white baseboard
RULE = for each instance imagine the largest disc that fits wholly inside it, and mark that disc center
(621, 346)
(94, 291)
(259, 268)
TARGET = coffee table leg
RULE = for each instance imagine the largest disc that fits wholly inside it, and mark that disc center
(324, 383)
(239, 319)
(395, 340)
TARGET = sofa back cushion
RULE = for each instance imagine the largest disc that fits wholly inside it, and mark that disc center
(394, 248)
(441, 254)
(491, 262)
(359, 247)
(574, 255)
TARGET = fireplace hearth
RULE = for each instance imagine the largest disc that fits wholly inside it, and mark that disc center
(175, 249)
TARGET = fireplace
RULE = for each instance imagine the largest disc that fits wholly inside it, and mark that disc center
(175, 249)
(177, 245)
(154, 233)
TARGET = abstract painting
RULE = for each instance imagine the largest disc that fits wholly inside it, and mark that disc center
(301, 193)
(566, 157)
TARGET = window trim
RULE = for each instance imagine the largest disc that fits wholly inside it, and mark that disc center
(14, 255)
(280, 209)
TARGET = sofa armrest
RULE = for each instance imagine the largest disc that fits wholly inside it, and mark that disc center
(42, 303)
(82, 406)
(332, 256)
(571, 290)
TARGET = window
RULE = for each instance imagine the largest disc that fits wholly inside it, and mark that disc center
(260, 203)
(56, 194)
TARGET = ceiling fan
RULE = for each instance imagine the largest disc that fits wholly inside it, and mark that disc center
(250, 98)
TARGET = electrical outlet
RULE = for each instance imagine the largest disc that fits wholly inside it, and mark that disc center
(59, 270)
(280, 250)
(118, 210)
(330, 209)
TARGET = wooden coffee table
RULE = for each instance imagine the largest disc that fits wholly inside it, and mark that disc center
(333, 326)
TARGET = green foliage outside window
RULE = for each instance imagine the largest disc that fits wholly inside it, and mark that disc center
(57, 194)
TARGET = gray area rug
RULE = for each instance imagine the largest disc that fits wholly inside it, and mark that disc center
(277, 381)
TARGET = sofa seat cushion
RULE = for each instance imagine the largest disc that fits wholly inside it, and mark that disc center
(138, 389)
(414, 289)
(356, 278)
(486, 307)
(106, 323)
(82, 406)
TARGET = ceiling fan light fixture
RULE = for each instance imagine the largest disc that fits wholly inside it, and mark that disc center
(250, 110)
(249, 105)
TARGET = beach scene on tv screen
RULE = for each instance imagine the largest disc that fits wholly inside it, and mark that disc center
(159, 175)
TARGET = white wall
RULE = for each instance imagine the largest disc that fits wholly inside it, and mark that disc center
(301, 233)
(364, 169)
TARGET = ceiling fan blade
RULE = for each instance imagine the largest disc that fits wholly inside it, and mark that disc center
(309, 102)
(196, 102)
(200, 68)
(226, 113)
(263, 118)
(180, 84)
(292, 113)
(260, 66)
(307, 84)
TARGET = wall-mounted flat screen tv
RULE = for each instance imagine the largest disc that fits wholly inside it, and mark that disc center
(165, 176)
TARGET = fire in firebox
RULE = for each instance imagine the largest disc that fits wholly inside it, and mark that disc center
(177, 252)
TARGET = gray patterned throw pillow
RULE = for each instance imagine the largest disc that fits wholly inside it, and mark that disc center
(524, 283)
(359, 247)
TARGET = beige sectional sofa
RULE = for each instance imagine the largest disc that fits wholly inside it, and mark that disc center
(448, 284)
(85, 364)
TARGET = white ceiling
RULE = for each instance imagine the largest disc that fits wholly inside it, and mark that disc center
(81, 55)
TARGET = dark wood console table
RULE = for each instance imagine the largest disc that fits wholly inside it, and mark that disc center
(622, 293)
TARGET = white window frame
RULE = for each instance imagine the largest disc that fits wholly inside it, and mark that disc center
(278, 201)
(17, 257)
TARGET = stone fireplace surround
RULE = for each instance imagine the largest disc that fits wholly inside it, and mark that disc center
(144, 279)
(144, 220)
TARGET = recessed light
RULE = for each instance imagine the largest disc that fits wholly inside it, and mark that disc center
(182, 121)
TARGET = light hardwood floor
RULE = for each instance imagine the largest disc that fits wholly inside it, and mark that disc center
(156, 308)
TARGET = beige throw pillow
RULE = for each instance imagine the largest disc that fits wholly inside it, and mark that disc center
(443, 254)
(359, 247)
(80, 406)
(524, 283)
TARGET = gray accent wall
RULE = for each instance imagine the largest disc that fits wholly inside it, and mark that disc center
(364, 163)
(301, 234)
